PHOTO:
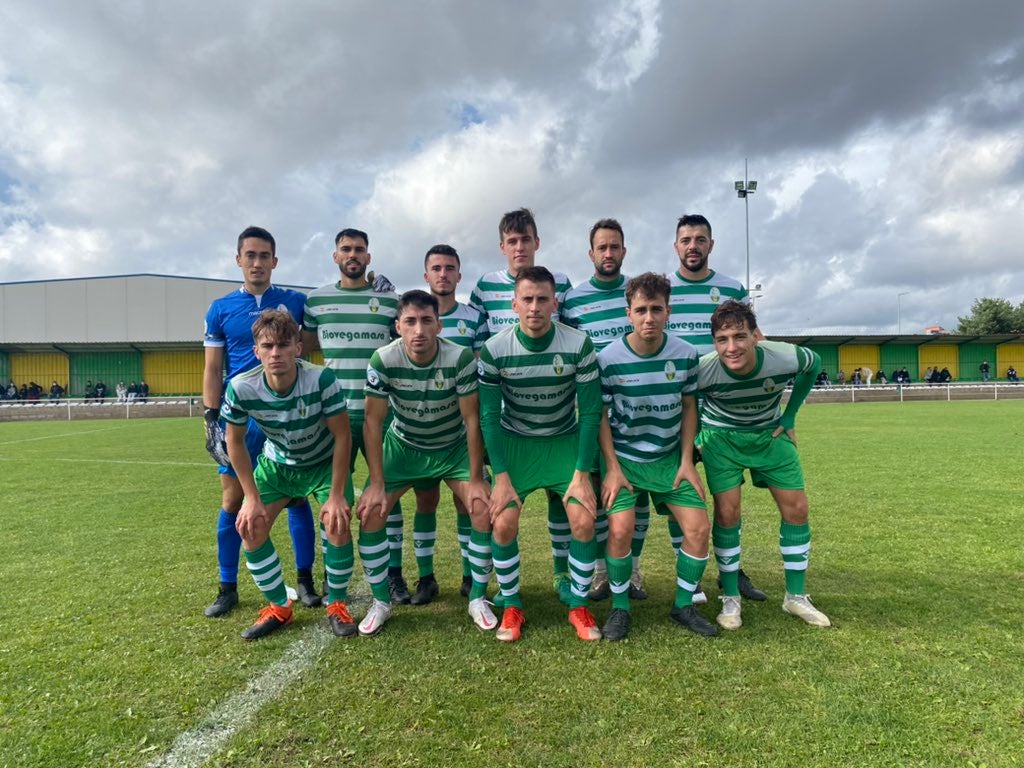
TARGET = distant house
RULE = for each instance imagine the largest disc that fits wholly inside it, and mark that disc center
(934, 330)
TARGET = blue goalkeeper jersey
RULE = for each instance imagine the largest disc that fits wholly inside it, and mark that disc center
(229, 323)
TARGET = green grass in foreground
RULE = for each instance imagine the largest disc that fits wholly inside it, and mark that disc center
(109, 560)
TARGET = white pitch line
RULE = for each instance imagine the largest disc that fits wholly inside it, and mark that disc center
(134, 461)
(63, 434)
(193, 748)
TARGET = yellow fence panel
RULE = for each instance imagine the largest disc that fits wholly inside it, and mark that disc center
(853, 356)
(1010, 353)
(174, 371)
(939, 356)
(41, 367)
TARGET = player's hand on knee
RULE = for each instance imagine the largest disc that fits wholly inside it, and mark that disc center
(251, 521)
(614, 481)
(581, 489)
(216, 440)
(336, 515)
(503, 495)
(688, 473)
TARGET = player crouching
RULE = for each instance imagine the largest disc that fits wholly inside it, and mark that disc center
(743, 427)
(301, 409)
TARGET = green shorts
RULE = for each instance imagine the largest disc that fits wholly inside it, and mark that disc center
(279, 481)
(655, 478)
(406, 466)
(772, 461)
(540, 462)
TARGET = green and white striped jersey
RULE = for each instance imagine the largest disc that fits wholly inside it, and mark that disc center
(598, 308)
(644, 395)
(694, 301)
(465, 326)
(538, 388)
(493, 294)
(351, 323)
(424, 399)
(750, 402)
(294, 423)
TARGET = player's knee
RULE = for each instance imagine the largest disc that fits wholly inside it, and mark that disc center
(795, 512)
(582, 528)
(504, 531)
(727, 514)
(341, 539)
(231, 502)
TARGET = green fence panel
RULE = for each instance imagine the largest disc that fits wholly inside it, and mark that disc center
(972, 355)
(108, 367)
(896, 356)
(5, 368)
(829, 354)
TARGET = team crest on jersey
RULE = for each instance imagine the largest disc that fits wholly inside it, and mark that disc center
(480, 367)
(769, 386)
(439, 380)
(372, 377)
(670, 370)
(558, 364)
(461, 327)
(374, 304)
(302, 408)
(716, 295)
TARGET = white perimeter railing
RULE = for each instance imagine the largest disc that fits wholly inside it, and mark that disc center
(977, 390)
(79, 408)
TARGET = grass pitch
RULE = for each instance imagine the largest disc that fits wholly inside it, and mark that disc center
(106, 659)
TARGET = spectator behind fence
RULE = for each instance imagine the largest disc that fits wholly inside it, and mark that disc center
(133, 392)
(101, 391)
(841, 377)
(945, 376)
(56, 391)
(143, 391)
(122, 392)
(881, 377)
(986, 371)
(90, 391)
(823, 380)
(1011, 374)
(11, 391)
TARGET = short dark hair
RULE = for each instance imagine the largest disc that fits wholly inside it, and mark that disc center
(693, 220)
(259, 233)
(353, 233)
(419, 299)
(606, 224)
(519, 220)
(649, 284)
(733, 314)
(536, 275)
(278, 324)
(442, 250)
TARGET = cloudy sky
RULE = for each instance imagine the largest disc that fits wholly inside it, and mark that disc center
(887, 139)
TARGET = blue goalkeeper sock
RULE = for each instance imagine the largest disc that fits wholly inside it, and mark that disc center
(229, 545)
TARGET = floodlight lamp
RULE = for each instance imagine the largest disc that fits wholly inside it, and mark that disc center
(751, 186)
(741, 193)
(738, 185)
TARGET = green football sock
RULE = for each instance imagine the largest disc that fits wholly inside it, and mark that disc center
(643, 520)
(558, 530)
(689, 572)
(338, 562)
(395, 536)
(465, 529)
(424, 532)
(480, 561)
(795, 546)
(675, 534)
(506, 569)
(619, 571)
(265, 567)
(726, 542)
(601, 532)
(582, 555)
(373, 551)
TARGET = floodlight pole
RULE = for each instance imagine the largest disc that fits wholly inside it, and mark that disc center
(899, 315)
(744, 189)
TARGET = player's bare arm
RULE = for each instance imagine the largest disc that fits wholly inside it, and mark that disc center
(336, 513)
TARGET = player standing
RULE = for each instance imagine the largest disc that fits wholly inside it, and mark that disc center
(649, 382)
(301, 409)
(463, 325)
(228, 340)
(349, 320)
(493, 294)
(533, 376)
(697, 290)
(431, 387)
(743, 427)
(598, 307)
